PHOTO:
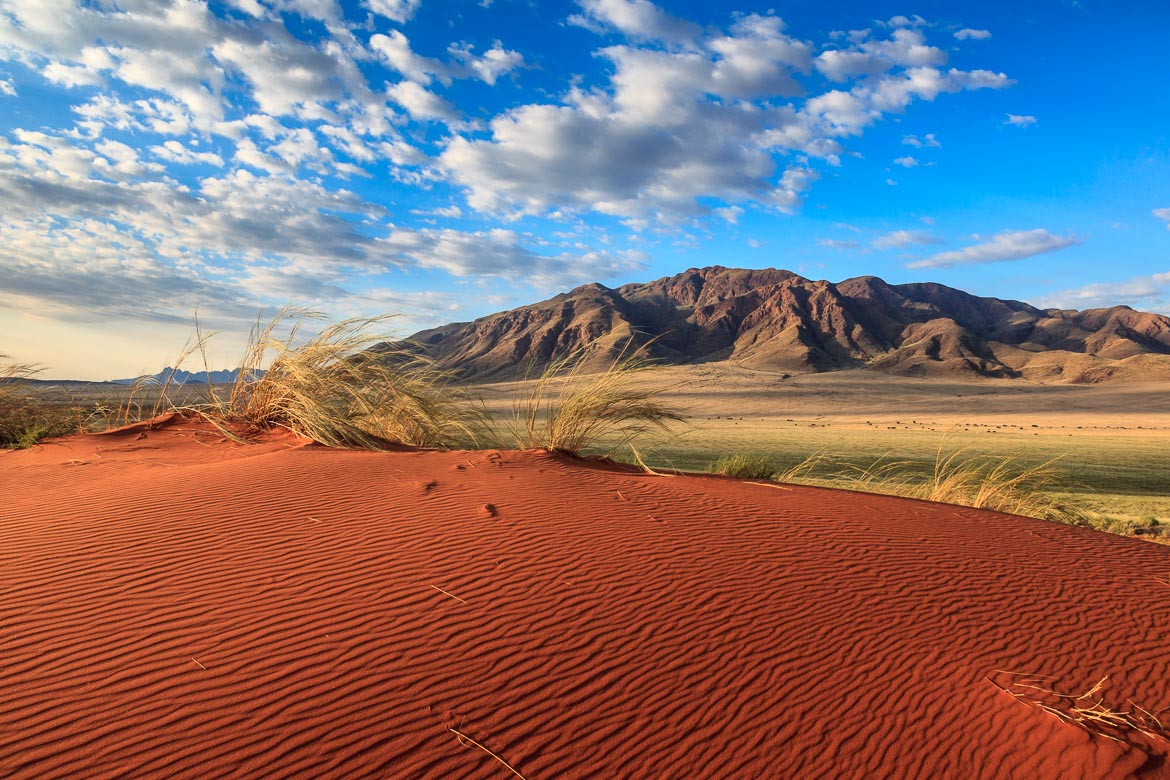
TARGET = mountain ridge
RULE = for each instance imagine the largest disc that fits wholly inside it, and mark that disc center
(777, 320)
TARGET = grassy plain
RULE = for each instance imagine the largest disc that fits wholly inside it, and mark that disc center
(1111, 442)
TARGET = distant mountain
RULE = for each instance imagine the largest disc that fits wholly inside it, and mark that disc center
(178, 376)
(780, 321)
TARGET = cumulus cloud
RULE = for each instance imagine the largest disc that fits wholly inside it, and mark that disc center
(500, 253)
(907, 162)
(899, 239)
(1164, 215)
(713, 119)
(926, 141)
(1020, 120)
(1009, 245)
(209, 148)
(1150, 293)
(971, 34)
(400, 11)
(635, 18)
(906, 47)
(488, 67)
(396, 51)
(421, 103)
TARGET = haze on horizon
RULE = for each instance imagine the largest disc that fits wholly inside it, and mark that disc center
(448, 160)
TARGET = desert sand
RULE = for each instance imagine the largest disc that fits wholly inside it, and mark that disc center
(179, 605)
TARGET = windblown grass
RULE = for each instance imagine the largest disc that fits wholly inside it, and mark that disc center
(746, 465)
(982, 482)
(25, 419)
(332, 387)
(569, 410)
(754, 465)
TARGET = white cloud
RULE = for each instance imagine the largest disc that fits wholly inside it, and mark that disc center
(1019, 120)
(8, 87)
(730, 214)
(173, 151)
(500, 253)
(906, 47)
(639, 19)
(926, 141)
(903, 238)
(395, 50)
(906, 162)
(495, 62)
(400, 11)
(836, 243)
(971, 34)
(1009, 245)
(1164, 215)
(1150, 293)
(675, 126)
(421, 103)
(450, 212)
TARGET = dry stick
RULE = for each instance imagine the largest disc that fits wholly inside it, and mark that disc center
(464, 739)
(445, 593)
(765, 484)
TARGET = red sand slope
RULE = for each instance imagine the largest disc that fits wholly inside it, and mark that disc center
(174, 605)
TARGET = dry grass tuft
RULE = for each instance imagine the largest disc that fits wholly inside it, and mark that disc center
(332, 387)
(568, 410)
(983, 482)
(24, 419)
(1087, 710)
(745, 465)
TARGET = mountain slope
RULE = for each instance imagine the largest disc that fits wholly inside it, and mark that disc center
(776, 320)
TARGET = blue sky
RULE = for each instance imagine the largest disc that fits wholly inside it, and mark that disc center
(444, 160)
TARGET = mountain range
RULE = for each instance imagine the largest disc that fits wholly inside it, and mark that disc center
(779, 321)
(178, 376)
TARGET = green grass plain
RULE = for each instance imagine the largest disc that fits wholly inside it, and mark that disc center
(1111, 442)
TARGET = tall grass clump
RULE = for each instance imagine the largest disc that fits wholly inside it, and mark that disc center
(569, 410)
(745, 465)
(333, 387)
(24, 419)
(982, 482)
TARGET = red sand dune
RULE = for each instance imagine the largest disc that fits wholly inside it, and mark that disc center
(176, 605)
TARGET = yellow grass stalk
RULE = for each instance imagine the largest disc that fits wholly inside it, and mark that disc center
(333, 386)
(570, 410)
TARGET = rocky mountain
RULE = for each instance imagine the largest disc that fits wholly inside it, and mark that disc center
(178, 376)
(776, 320)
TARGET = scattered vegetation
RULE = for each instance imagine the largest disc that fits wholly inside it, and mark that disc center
(332, 387)
(745, 465)
(955, 477)
(25, 419)
(983, 482)
(569, 410)
(1087, 710)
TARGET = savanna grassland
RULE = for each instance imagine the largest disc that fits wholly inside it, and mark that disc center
(1109, 444)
